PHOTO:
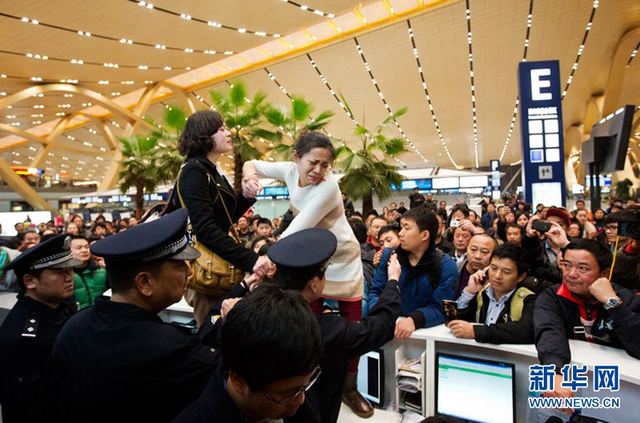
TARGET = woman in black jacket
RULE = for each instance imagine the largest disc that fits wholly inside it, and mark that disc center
(203, 188)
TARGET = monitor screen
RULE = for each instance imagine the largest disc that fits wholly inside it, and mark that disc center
(371, 376)
(474, 389)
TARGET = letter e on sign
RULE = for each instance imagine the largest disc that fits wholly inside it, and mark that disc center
(537, 83)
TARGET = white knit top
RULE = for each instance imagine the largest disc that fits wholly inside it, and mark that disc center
(320, 206)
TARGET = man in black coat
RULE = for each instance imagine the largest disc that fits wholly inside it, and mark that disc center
(270, 349)
(45, 280)
(587, 306)
(302, 269)
(117, 361)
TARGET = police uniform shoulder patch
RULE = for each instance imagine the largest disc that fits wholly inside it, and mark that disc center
(31, 326)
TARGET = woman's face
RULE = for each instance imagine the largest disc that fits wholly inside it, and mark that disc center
(72, 229)
(222, 140)
(574, 231)
(522, 220)
(313, 166)
(599, 214)
(510, 217)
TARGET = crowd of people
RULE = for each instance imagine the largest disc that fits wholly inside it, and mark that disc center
(323, 284)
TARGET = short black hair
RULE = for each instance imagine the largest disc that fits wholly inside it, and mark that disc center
(310, 140)
(196, 138)
(372, 212)
(388, 228)
(270, 335)
(426, 221)
(359, 229)
(515, 225)
(514, 253)
(264, 221)
(257, 239)
(598, 250)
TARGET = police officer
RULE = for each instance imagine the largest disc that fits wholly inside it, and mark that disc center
(301, 259)
(117, 360)
(45, 280)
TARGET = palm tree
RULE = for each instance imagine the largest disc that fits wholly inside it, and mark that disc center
(167, 135)
(291, 122)
(140, 167)
(244, 118)
(365, 171)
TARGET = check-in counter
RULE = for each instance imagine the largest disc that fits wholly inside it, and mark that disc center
(426, 343)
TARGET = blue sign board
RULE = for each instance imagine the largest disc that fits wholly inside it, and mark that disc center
(541, 131)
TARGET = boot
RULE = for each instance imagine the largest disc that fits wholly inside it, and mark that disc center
(350, 396)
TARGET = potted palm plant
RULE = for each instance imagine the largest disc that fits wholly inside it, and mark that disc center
(365, 171)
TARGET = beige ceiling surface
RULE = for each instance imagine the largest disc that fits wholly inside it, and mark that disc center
(498, 35)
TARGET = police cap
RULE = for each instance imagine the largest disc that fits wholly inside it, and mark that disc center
(53, 253)
(161, 239)
(307, 248)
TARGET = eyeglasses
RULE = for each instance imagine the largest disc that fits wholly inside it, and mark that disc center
(292, 397)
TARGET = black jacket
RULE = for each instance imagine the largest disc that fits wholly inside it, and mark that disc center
(117, 362)
(342, 339)
(215, 405)
(538, 261)
(209, 220)
(505, 330)
(556, 316)
(26, 339)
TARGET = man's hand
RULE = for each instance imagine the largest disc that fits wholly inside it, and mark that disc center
(263, 266)
(530, 232)
(394, 269)
(476, 281)
(602, 290)
(377, 257)
(227, 305)
(560, 392)
(404, 327)
(461, 329)
(468, 226)
(557, 235)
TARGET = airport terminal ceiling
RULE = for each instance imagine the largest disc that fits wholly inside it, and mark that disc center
(75, 73)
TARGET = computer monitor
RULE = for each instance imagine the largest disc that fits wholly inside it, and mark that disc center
(371, 376)
(475, 390)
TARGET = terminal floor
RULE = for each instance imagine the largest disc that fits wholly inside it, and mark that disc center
(7, 300)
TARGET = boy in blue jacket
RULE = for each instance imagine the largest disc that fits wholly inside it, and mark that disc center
(426, 276)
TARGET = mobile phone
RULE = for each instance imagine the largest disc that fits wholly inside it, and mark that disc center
(541, 226)
(450, 310)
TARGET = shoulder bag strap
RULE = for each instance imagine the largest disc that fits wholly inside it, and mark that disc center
(235, 236)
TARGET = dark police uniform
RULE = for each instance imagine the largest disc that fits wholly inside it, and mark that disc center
(119, 362)
(343, 339)
(27, 336)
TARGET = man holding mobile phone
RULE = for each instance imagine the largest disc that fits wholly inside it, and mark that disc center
(495, 299)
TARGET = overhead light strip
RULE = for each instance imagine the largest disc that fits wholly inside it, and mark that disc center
(514, 116)
(75, 61)
(340, 102)
(587, 30)
(425, 87)
(210, 23)
(306, 8)
(633, 54)
(121, 40)
(275, 80)
(473, 87)
(367, 67)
